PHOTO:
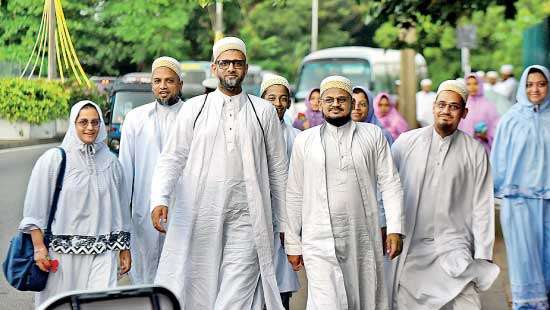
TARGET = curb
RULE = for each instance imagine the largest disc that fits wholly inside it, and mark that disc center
(8, 144)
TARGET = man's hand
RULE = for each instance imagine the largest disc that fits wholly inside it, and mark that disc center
(394, 245)
(41, 259)
(160, 217)
(296, 262)
(125, 260)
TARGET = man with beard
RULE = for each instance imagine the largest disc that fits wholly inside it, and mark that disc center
(449, 213)
(144, 134)
(228, 148)
(276, 89)
(333, 230)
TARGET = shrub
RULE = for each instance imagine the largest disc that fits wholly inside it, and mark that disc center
(33, 101)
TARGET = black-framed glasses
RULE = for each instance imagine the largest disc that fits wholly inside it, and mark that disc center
(83, 123)
(237, 63)
(452, 107)
(331, 100)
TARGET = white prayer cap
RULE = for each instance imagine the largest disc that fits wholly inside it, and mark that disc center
(211, 83)
(273, 79)
(480, 73)
(169, 63)
(507, 69)
(492, 75)
(454, 86)
(426, 82)
(228, 43)
(336, 81)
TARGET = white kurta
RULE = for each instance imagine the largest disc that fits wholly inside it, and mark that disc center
(287, 279)
(424, 107)
(507, 88)
(337, 235)
(144, 131)
(449, 219)
(192, 261)
(92, 220)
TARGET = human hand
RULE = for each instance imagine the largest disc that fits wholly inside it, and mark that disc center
(394, 245)
(296, 261)
(125, 260)
(159, 217)
(41, 259)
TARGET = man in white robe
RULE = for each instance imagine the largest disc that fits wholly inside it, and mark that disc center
(509, 85)
(144, 134)
(228, 148)
(424, 101)
(333, 230)
(276, 90)
(449, 216)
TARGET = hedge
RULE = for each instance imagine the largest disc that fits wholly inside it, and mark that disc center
(39, 101)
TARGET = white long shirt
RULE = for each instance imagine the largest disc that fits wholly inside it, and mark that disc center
(144, 132)
(196, 151)
(338, 236)
(449, 218)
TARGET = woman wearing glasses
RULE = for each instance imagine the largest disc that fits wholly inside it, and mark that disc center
(91, 224)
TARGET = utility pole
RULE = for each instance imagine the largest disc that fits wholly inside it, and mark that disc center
(52, 60)
(314, 24)
(219, 21)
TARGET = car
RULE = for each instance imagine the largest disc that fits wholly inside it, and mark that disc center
(129, 92)
(193, 74)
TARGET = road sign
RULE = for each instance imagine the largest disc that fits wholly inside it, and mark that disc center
(466, 36)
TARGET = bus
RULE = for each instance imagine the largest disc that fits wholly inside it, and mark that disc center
(374, 68)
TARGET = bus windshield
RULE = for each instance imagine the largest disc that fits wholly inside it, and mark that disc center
(313, 72)
(126, 101)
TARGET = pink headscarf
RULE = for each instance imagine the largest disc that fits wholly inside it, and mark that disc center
(313, 117)
(480, 111)
(392, 121)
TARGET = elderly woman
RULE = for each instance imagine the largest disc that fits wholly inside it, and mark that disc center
(521, 170)
(91, 224)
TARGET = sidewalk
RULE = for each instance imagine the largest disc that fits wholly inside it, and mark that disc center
(8, 144)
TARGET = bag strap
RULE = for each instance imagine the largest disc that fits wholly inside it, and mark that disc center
(58, 187)
(200, 111)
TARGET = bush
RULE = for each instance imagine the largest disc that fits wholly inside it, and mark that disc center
(78, 93)
(33, 101)
(39, 101)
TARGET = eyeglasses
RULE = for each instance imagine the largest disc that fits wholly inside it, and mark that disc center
(237, 64)
(362, 104)
(331, 100)
(83, 123)
(452, 107)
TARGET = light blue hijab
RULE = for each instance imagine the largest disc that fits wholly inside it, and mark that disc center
(520, 155)
(371, 118)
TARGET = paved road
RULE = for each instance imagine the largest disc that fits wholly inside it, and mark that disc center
(15, 167)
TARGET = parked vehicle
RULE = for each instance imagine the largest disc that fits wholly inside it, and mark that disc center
(374, 68)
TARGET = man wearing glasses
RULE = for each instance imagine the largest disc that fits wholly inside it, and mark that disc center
(228, 148)
(333, 230)
(449, 217)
